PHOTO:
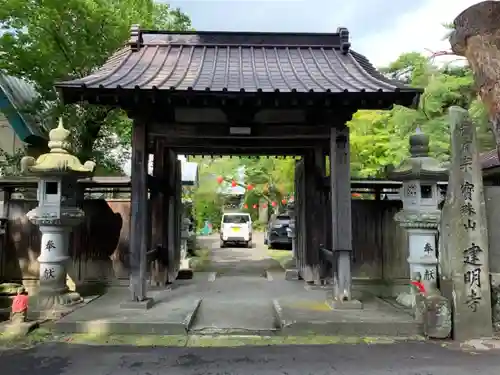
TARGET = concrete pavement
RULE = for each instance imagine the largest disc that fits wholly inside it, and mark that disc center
(418, 358)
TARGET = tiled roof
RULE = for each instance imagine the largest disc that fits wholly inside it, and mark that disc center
(20, 95)
(239, 62)
(489, 159)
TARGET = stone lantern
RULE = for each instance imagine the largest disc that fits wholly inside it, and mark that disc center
(57, 212)
(420, 215)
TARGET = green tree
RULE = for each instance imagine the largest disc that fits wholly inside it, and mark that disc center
(45, 41)
(380, 138)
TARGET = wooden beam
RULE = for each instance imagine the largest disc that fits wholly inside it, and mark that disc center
(244, 143)
(258, 131)
(139, 213)
(234, 151)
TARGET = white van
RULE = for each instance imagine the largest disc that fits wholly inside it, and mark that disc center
(236, 227)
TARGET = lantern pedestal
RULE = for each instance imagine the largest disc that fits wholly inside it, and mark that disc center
(422, 260)
(54, 295)
(57, 212)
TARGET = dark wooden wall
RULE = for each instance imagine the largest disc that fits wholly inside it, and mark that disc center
(99, 247)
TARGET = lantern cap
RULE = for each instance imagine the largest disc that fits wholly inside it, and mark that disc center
(58, 160)
(419, 166)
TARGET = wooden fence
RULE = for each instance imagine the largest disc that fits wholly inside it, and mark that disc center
(99, 246)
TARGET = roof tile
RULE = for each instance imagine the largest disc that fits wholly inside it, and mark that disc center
(251, 62)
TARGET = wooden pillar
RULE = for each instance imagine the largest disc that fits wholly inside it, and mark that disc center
(321, 209)
(340, 178)
(333, 199)
(173, 266)
(158, 214)
(4, 237)
(139, 231)
(178, 212)
(312, 232)
(299, 217)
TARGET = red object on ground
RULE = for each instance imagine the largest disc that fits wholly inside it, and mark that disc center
(20, 303)
(249, 187)
(220, 180)
(419, 285)
(273, 204)
(233, 183)
(283, 201)
(254, 206)
(245, 205)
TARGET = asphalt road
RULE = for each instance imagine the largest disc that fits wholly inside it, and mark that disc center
(395, 359)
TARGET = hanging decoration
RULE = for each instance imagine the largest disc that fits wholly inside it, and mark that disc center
(283, 201)
(220, 180)
(264, 205)
(254, 206)
(273, 204)
(249, 187)
(245, 205)
(233, 183)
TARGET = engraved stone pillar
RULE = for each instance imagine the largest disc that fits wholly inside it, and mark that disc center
(420, 214)
(464, 239)
(56, 214)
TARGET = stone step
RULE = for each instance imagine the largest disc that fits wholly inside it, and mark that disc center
(218, 317)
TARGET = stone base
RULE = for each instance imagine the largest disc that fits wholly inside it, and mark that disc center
(185, 274)
(352, 304)
(138, 305)
(406, 299)
(18, 328)
(55, 305)
(291, 274)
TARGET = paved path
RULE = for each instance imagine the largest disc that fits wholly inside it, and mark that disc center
(382, 359)
(240, 298)
(234, 261)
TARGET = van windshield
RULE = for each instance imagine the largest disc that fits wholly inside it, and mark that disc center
(235, 219)
(282, 217)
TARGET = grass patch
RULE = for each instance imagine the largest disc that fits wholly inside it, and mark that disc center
(133, 340)
(44, 335)
(40, 335)
(283, 257)
(201, 262)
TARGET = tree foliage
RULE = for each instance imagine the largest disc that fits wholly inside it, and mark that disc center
(45, 41)
(271, 180)
(380, 138)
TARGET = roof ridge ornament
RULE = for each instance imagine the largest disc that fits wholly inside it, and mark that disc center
(345, 45)
(135, 42)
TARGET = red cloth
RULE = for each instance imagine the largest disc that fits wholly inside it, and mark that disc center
(20, 303)
(419, 285)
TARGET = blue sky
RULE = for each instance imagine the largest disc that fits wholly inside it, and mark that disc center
(380, 29)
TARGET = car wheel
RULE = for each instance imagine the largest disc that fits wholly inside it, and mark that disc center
(222, 244)
(265, 239)
(249, 244)
(270, 246)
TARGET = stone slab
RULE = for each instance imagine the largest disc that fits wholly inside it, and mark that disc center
(185, 274)
(138, 305)
(314, 316)
(291, 274)
(18, 329)
(352, 304)
(172, 314)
